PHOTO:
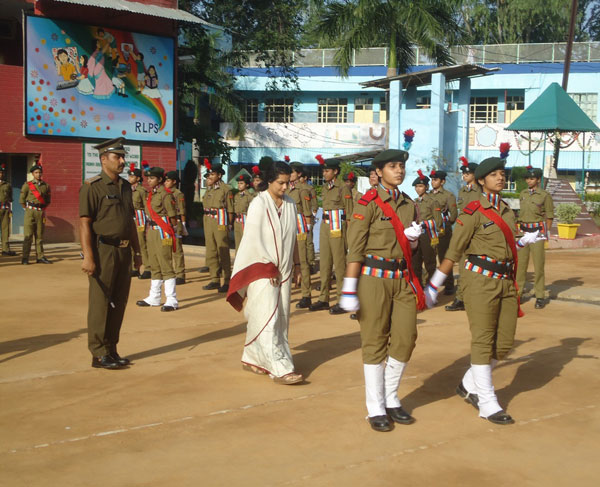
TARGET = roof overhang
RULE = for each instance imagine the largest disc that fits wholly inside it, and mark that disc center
(358, 156)
(423, 77)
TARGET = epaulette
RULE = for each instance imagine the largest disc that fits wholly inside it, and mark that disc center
(368, 197)
(406, 196)
(472, 207)
(93, 180)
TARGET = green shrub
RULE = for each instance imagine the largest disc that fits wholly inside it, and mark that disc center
(517, 174)
(592, 197)
(567, 212)
(510, 195)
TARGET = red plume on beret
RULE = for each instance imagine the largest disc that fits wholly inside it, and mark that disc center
(504, 148)
(351, 176)
(286, 158)
(529, 168)
(132, 166)
(319, 158)
(255, 170)
(421, 175)
(145, 164)
(464, 161)
(207, 164)
(432, 173)
(3, 166)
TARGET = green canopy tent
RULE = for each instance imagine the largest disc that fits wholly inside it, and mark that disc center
(554, 112)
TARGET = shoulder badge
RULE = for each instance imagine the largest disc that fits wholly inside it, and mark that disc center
(347, 196)
(406, 196)
(472, 207)
(93, 180)
(368, 197)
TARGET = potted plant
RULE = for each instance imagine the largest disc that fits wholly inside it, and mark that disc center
(566, 214)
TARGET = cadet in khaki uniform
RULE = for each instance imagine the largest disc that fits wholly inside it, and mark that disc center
(350, 181)
(431, 222)
(380, 283)
(139, 196)
(35, 198)
(241, 202)
(5, 211)
(299, 192)
(536, 214)
(218, 206)
(171, 182)
(161, 209)
(446, 208)
(471, 191)
(337, 205)
(485, 233)
(108, 235)
(314, 207)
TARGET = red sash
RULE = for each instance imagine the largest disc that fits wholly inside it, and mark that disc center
(36, 193)
(411, 278)
(156, 218)
(508, 235)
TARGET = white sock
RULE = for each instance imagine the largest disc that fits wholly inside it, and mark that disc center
(393, 374)
(488, 402)
(170, 293)
(153, 298)
(374, 389)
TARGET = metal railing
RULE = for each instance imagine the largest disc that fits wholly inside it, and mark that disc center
(473, 54)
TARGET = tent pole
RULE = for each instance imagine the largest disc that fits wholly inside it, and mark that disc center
(544, 159)
(583, 167)
(529, 156)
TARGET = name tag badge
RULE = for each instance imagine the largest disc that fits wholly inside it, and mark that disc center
(385, 218)
(488, 224)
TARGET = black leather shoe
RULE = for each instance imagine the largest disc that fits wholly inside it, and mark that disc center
(469, 398)
(167, 308)
(540, 303)
(380, 423)
(204, 269)
(318, 306)
(224, 288)
(121, 360)
(354, 316)
(179, 281)
(142, 303)
(449, 291)
(456, 305)
(303, 303)
(399, 415)
(134, 273)
(210, 286)
(313, 269)
(106, 362)
(43, 260)
(9, 253)
(336, 310)
(501, 417)
(318, 287)
(145, 275)
(25, 261)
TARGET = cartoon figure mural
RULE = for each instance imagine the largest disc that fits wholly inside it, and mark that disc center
(98, 82)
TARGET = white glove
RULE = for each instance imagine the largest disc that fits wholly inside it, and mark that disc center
(431, 291)
(431, 296)
(185, 231)
(530, 238)
(349, 299)
(413, 232)
(308, 227)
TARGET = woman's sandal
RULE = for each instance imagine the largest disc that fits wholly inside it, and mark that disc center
(254, 369)
(287, 379)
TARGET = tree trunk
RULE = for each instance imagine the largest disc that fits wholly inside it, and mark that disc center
(392, 67)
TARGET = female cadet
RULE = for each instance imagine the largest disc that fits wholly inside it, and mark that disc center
(241, 201)
(139, 196)
(485, 233)
(380, 280)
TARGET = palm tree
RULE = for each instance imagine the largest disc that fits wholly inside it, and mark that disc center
(397, 24)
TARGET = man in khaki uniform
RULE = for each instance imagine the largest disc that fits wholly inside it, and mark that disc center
(337, 205)
(241, 202)
(377, 286)
(139, 196)
(171, 182)
(108, 236)
(5, 211)
(300, 193)
(536, 214)
(471, 191)
(446, 208)
(161, 210)
(218, 206)
(35, 198)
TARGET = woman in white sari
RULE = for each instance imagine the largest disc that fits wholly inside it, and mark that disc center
(266, 263)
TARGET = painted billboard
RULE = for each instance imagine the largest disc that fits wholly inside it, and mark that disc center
(97, 82)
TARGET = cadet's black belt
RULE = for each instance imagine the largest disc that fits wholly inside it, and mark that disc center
(115, 242)
(34, 206)
(491, 265)
(532, 227)
(385, 265)
(326, 217)
(210, 212)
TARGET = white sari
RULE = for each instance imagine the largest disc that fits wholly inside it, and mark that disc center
(266, 251)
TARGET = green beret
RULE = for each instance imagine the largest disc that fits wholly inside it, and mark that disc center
(534, 172)
(112, 145)
(298, 167)
(135, 172)
(174, 175)
(470, 167)
(435, 174)
(372, 168)
(158, 172)
(389, 155)
(265, 163)
(217, 167)
(333, 163)
(488, 165)
(35, 167)
(245, 178)
(421, 179)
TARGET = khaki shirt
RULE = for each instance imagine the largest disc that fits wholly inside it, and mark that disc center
(445, 201)
(27, 195)
(219, 196)
(477, 235)
(241, 201)
(179, 201)
(372, 233)
(314, 202)
(301, 196)
(5, 192)
(163, 203)
(356, 195)
(535, 207)
(426, 210)
(109, 205)
(139, 196)
(466, 195)
(337, 198)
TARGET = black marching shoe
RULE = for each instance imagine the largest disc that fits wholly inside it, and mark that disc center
(106, 362)
(318, 306)
(145, 275)
(121, 360)
(539, 303)
(336, 310)
(9, 253)
(469, 398)
(179, 281)
(204, 269)
(164, 307)
(456, 305)
(303, 303)
(43, 260)
(25, 261)
(449, 291)
(211, 285)
(380, 423)
(142, 303)
(501, 417)
(399, 415)
(224, 288)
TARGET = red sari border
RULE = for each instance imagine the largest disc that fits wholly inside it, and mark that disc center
(247, 275)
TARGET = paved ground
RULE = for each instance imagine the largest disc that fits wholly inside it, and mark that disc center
(186, 414)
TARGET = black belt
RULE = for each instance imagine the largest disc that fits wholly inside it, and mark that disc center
(385, 265)
(115, 242)
(210, 212)
(533, 229)
(326, 217)
(31, 205)
(491, 266)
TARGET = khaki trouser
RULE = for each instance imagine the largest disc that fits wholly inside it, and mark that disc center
(35, 221)
(238, 232)
(141, 233)
(461, 271)
(441, 253)
(178, 258)
(491, 306)
(304, 264)
(388, 319)
(538, 252)
(217, 250)
(425, 255)
(5, 229)
(311, 247)
(110, 283)
(333, 255)
(160, 252)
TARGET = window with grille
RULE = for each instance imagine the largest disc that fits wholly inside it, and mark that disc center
(279, 110)
(251, 110)
(363, 110)
(382, 109)
(423, 102)
(333, 110)
(483, 109)
(515, 105)
(588, 102)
